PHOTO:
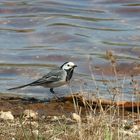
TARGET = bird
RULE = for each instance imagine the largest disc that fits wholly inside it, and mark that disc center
(55, 78)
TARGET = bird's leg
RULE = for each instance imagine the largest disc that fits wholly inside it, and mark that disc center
(52, 91)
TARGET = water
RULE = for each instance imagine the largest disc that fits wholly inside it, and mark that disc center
(36, 36)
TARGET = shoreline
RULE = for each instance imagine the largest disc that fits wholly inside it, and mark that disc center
(41, 118)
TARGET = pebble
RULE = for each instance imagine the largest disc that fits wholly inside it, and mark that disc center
(138, 133)
(30, 114)
(135, 128)
(57, 139)
(6, 115)
(35, 132)
(34, 123)
(76, 117)
(54, 118)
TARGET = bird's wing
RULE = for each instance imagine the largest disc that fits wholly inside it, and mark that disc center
(53, 76)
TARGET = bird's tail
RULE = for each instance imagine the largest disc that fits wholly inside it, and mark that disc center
(19, 87)
(35, 83)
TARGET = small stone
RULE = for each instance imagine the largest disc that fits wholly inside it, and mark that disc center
(43, 117)
(54, 118)
(57, 139)
(138, 133)
(35, 132)
(127, 124)
(6, 115)
(129, 133)
(30, 114)
(135, 128)
(76, 117)
(35, 124)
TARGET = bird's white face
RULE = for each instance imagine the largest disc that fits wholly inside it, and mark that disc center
(68, 66)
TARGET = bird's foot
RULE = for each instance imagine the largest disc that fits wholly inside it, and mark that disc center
(56, 98)
(52, 91)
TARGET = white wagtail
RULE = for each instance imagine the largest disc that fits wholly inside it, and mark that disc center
(54, 78)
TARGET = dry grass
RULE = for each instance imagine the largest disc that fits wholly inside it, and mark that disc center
(97, 123)
(94, 125)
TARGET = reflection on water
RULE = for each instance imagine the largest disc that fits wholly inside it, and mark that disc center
(38, 35)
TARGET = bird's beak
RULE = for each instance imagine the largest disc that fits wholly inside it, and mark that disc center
(74, 66)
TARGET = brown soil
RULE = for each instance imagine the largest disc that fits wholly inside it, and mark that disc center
(62, 106)
(55, 117)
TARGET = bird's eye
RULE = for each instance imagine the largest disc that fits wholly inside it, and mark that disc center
(68, 65)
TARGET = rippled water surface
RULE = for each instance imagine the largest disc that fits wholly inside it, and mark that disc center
(37, 35)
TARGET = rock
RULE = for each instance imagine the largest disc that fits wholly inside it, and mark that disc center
(30, 114)
(34, 124)
(43, 117)
(76, 117)
(135, 128)
(57, 139)
(54, 118)
(35, 132)
(6, 115)
(127, 125)
(129, 133)
(138, 133)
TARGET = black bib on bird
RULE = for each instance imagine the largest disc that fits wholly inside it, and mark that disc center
(69, 74)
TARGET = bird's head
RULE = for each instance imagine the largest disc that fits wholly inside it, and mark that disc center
(68, 66)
